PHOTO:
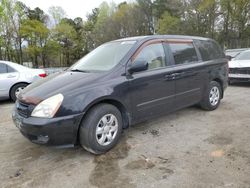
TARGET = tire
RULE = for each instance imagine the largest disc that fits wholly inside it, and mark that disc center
(15, 89)
(95, 135)
(212, 97)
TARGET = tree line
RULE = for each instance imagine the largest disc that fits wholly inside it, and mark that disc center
(52, 39)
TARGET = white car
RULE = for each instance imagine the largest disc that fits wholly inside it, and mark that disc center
(15, 77)
(232, 53)
(239, 67)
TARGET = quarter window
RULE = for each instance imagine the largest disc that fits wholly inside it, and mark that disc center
(154, 54)
(3, 68)
(10, 69)
(209, 50)
(183, 52)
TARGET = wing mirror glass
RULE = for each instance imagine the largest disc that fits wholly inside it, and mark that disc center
(138, 66)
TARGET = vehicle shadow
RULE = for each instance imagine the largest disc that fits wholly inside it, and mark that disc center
(240, 84)
(6, 102)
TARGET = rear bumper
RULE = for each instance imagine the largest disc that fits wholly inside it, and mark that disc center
(56, 131)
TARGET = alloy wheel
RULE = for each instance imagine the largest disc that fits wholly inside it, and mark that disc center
(106, 129)
(214, 96)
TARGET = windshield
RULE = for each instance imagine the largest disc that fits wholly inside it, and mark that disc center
(243, 56)
(103, 58)
(232, 54)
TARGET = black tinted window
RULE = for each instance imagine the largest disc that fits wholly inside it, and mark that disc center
(3, 68)
(154, 54)
(209, 50)
(183, 52)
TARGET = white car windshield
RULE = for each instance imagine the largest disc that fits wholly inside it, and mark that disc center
(243, 56)
(103, 58)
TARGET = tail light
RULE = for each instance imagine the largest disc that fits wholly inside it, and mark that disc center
(43, 75)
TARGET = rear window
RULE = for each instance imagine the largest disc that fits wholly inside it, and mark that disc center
(243, 56)
(3, 68)
(209, 50)
(183, 52)
(10, 69)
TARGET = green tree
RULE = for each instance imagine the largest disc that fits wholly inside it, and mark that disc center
(146, 10)
(65, 34)
(236, 19)
(57, 13)
(169, 24)
(37, 14)
(36, 34)
(1, 33)
(10, 18)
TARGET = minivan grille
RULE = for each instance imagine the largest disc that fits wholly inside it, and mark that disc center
(239, 70)
(23, 109)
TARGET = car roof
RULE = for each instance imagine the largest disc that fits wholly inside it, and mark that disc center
(14, 65)
(150, 37)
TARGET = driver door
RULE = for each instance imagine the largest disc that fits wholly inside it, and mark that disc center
(152, 92)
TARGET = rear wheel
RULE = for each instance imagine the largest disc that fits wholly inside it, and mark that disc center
(101, 129)
(15, 90)
(212, 97)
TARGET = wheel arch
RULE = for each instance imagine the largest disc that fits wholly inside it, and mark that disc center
(15, 85)
(126, 118)
(119, 105)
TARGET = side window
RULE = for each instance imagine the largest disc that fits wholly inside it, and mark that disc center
(3, 68)
(10, 69)
(209, 50)
(154, 54)
(183, 52)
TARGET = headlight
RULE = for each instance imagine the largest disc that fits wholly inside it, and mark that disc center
(48, 107)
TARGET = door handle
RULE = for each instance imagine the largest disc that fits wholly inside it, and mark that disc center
(177, 74)
(173, 76)
(11, 76)
(169, 77)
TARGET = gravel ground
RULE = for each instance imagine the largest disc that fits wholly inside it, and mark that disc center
(190, 148)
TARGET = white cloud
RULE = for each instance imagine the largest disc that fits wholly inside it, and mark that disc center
(73, 8)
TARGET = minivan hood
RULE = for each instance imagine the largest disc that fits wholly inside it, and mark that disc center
(63, 82)
(239, 63)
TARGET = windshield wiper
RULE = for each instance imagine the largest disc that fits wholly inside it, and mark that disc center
(78, 70)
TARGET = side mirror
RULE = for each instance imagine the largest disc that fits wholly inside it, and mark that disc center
(229, 57)
(138, 66)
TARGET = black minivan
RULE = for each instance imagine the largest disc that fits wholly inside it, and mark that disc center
(119, 84)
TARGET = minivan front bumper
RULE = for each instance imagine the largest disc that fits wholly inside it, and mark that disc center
(57, 131)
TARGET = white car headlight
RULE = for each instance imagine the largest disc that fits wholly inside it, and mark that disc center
(48, 107)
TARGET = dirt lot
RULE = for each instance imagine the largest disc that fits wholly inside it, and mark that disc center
(189, 148)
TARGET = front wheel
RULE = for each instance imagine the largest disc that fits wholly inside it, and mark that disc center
(101, 129)
(16, 89)
(212, 97)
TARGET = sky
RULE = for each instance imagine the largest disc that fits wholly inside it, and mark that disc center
(73, 8)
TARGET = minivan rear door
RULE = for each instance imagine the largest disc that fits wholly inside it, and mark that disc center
(151, 91)
(187, 72)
